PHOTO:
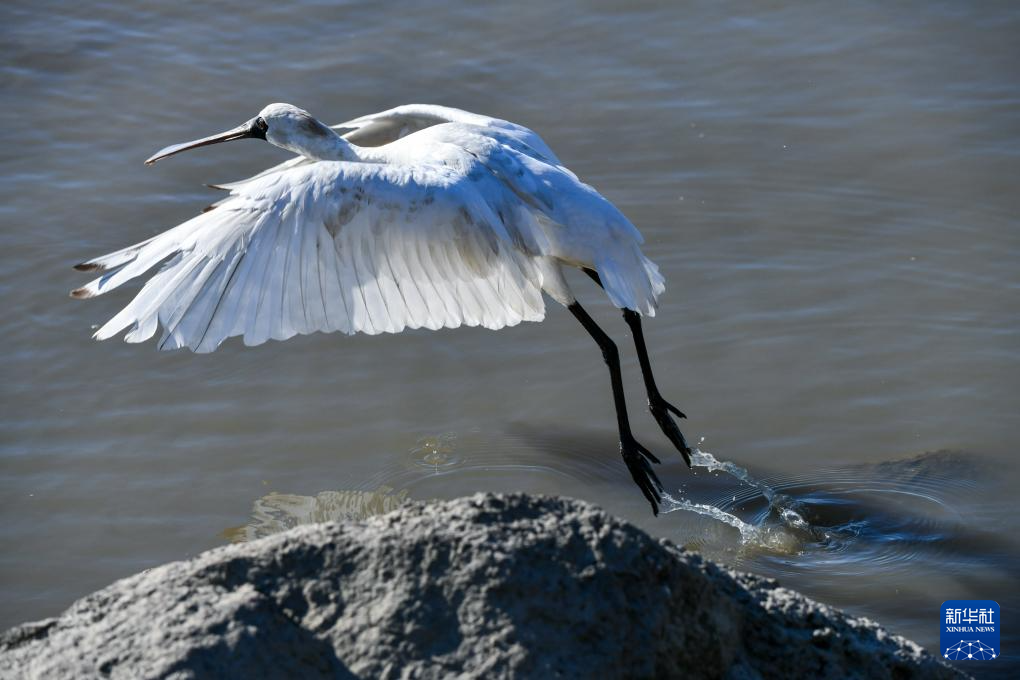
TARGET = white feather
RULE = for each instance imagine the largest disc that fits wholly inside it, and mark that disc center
(456, 219)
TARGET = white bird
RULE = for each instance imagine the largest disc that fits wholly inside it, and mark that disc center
(417, 217)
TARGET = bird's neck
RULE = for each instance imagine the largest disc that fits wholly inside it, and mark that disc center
(322, 143)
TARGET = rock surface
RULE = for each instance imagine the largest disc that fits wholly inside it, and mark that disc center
(487, 586)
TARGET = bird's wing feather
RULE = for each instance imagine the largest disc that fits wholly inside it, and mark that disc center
(330, 246)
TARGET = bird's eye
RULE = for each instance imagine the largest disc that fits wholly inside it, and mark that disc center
(261, 123)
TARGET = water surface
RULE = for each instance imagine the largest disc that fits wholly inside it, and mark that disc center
(831, 193)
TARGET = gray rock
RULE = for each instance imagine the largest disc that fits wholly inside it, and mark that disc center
(488, 586)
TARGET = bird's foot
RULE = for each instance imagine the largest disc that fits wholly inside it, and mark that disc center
(661, 409)
(638, 460)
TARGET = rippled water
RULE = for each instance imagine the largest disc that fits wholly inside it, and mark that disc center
(891, 534)
(831, 193)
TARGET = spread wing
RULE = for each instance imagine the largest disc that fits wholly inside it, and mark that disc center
(329, 246)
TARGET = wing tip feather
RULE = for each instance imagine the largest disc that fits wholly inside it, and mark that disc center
(82, 293)
(90, 267)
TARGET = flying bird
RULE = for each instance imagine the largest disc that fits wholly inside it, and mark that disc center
(417, 217)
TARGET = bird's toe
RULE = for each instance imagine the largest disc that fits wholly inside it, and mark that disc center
(661, 412)
(637, 459)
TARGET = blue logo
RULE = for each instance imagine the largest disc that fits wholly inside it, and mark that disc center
(970, 630)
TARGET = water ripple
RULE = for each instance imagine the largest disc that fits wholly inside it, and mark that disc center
(888, 517)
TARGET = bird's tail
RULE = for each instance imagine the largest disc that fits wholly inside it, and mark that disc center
(631, 280)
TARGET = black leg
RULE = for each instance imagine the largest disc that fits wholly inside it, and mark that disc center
(659, 407)
(636, 456)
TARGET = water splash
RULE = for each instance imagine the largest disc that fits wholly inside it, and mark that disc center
(765, 536)
(782, 529)
(706, 460)
(748, 532)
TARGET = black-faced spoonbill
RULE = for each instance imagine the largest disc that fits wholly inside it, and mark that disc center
(417, 217)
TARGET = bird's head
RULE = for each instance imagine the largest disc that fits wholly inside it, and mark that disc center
(294, 129)
(282, 125)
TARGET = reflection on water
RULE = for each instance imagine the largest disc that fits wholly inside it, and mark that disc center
(522, 459)
(278, 512)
